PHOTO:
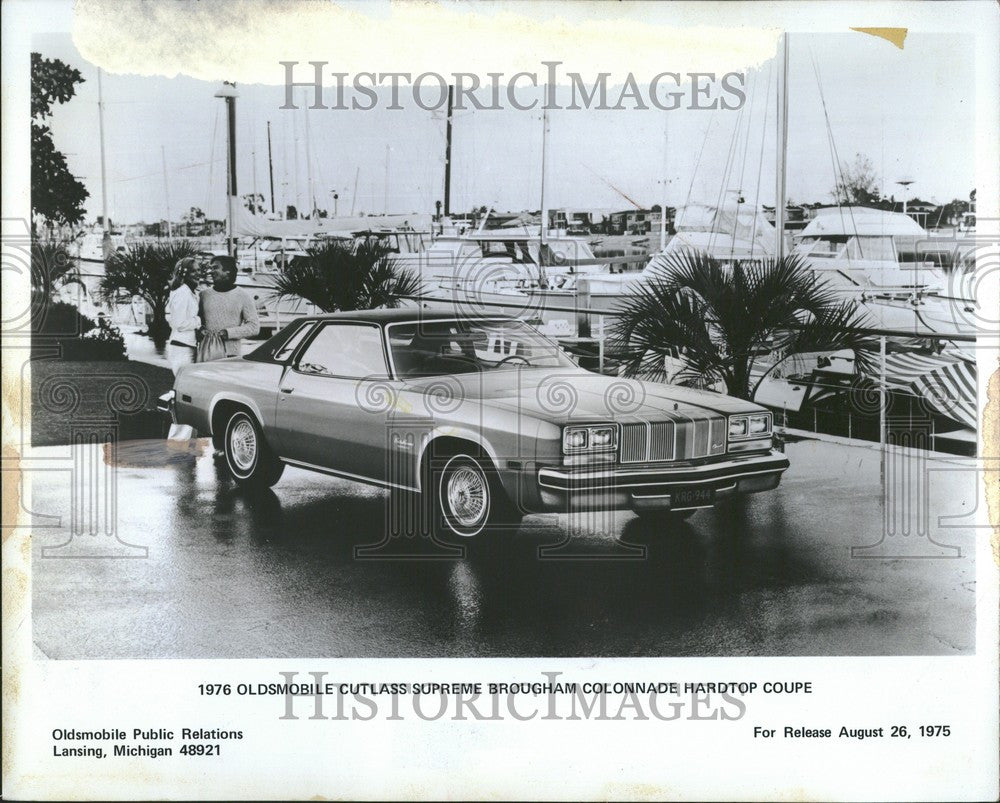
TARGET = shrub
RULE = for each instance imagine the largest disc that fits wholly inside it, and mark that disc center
(58, 318)
(58, 324)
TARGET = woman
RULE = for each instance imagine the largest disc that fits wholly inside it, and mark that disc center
(182, 311)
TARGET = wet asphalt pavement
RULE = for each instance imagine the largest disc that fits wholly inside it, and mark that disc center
(199, 569)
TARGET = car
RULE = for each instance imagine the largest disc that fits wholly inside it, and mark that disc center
(481, 418)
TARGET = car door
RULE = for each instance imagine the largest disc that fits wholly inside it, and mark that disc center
(324, 417)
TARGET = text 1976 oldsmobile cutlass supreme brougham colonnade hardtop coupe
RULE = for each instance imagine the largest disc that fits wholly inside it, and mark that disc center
(483, 417)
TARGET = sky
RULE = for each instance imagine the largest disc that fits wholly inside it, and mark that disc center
(910, 111)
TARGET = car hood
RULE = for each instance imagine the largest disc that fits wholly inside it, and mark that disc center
(567, 396)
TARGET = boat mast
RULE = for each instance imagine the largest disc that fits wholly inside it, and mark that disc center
(166, 192)
(270, 165)
(253, 161)
(106, 237)
(447, 152)
(782, 146)
(354, 195)
(666, 159)
(385, 206)
(309, 175)
(542, 279)
(295, 159)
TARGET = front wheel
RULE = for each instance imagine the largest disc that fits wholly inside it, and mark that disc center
(248, 457)
(468, 498)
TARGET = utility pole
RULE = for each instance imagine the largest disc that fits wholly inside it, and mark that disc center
(229, 93)
(270, 165)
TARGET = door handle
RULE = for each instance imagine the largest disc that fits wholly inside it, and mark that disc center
(287, 390)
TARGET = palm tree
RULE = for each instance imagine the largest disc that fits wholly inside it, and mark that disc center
(340, 275)
(145, 269)
(721, 319)
(51, 265)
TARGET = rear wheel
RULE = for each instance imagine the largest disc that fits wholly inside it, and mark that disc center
(249, 458)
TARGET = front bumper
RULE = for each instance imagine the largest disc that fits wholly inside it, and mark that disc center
(656, 488)
(165, 403)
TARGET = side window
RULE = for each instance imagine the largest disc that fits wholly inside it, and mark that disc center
(352, 351)
(285, 351)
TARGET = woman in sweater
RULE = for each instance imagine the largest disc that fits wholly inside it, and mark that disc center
(182, 312)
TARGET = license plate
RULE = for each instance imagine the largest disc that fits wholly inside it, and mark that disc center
(691, 497)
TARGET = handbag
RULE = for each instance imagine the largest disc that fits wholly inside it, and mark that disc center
(211, 347)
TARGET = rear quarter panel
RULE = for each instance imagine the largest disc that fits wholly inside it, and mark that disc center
(200, 387)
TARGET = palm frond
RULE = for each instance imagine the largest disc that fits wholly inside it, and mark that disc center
(723, 317)
(341, 276)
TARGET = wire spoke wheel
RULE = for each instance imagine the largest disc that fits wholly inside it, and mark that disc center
(466, 495)
(243, 445)
(249, 458)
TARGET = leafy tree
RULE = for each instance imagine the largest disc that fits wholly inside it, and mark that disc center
(343, 276)
(56, 195)
(145, 270)
(859, 183)
(951, 213)
(722, 319)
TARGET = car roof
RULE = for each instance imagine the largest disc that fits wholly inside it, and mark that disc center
(383, 316)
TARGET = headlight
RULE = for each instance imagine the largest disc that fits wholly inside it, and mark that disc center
(599, 438)
(742, 427)
(602, 437)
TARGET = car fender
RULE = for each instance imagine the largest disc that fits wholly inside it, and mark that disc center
(239, 398)
(462, 433)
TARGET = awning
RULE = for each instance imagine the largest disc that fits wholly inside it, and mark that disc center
(946, 383)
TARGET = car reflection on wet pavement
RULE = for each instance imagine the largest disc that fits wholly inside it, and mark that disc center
(200, 568)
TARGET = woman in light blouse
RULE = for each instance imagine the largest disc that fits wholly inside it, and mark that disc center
(182, 311)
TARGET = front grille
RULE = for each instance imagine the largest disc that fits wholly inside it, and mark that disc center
(633, 446)
(660, 441)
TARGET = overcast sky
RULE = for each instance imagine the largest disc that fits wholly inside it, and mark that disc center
(910, 111)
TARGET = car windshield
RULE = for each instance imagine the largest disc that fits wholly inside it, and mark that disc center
(434, 348)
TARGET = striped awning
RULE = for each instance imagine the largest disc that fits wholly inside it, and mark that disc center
(945, 382)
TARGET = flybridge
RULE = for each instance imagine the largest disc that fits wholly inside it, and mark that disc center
(665, 91)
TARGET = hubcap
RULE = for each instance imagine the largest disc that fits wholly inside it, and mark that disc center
(243, 445)
(466, 494)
